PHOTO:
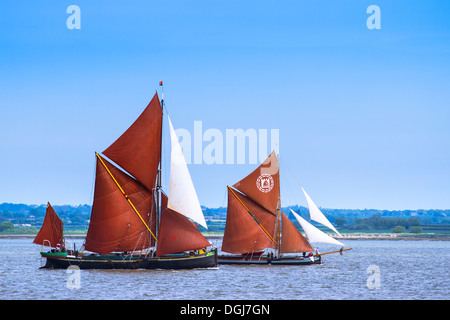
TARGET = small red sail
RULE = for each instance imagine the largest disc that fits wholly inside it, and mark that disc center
(178, 234)
(114, 225)
(51, 232)
(263, 184)
(138, 149)
(292, 240)
(242, 233)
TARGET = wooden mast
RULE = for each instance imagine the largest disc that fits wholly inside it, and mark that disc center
(279, 217)
(158, 180)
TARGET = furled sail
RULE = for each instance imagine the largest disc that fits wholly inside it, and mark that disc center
(51, 232)
(247, 231)
(263, 184)
(316, 214)
(114, 225)
(178, 234)
(315, 235)
(138, 149)
(292, 240)
(182, 195)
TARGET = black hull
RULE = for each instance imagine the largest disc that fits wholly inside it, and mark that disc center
(266, 260)
(206, 260)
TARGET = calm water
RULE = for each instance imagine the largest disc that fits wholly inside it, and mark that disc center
(407, 270)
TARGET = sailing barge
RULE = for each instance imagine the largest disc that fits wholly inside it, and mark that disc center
(133, 223)
(258, 232)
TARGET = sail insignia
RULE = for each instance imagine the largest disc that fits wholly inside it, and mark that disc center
(263, 184)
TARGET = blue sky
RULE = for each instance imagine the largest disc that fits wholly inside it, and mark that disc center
(362, 114)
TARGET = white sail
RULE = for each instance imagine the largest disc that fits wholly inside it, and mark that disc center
(316, 214)
(313, 234)
(182, 195)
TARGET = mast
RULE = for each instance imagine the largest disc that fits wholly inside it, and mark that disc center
(158, 179)
(279, 217)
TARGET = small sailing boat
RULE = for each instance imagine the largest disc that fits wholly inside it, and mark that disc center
(133, 223)
(257, 231)
(51, 233)
(313, 234)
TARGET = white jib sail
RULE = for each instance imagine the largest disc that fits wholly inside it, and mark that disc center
(313, 234)
(316, 214)
(182, 195)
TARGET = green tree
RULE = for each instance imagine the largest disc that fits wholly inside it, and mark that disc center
(340, 222)
(5, 226)
(399, 229)
(413, 222)
(415, 229)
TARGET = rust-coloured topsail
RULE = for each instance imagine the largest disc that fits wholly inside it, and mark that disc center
(138, 149)
(263, 184)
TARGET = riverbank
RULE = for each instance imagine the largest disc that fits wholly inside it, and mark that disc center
(349, 236)
(392, 236)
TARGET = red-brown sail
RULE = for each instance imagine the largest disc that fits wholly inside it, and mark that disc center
(114, 225)
(263, 184)
(178, 234)
(242, 233)
(51, 232)
(292, 240)
(138, 149)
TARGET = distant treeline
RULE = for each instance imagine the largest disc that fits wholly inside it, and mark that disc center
(74, 217)
(77, 217)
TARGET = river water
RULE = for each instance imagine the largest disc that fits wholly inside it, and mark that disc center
(373, 269)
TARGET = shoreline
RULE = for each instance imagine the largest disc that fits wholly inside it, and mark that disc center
(368, 236)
